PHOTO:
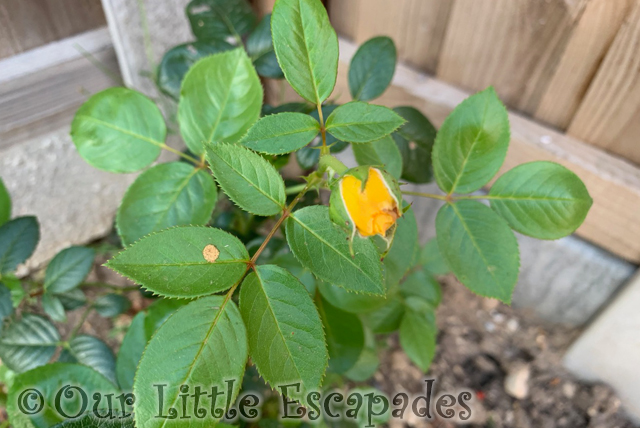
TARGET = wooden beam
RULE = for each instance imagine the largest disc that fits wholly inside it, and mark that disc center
(613, 183)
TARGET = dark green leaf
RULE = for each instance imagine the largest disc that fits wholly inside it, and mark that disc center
(386, 319)
(383, 152)
(418, 333)
(6, 308)
(289, 262)
(471, 144)
(323, 248)
(344, 334)
(479, 247)
(184, 262)
(158, 313)
(404, 250)
(208, 347)
(91, 352)
(219, 109)
(50, 380)
(307, 47)
(541, 199)
(111, 305)
(5, 204)
(415, 141)
(372, 68)
(302, 107)
(68, 269)
(349, 302)
(119, 130)
(247, 178)
(219, 19)
(28, 343)
(72, 299)
(90, 420)
(166, 195)
(421, 284)
(286, 340)
(18, 240)
(178, 60)
(260, 48)
(53, 307)
(130, 352)
(358, 122)
(281, 133)
(308, 156)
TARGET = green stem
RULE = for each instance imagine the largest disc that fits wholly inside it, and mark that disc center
(83, 318)
(197, 162)
(330, 162)
(426, 195)
(292, 190)
(324, 150)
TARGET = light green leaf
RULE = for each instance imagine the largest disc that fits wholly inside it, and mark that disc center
(184, 262)
(119, 130)
(322, 247)
(421, 284)
(178, 60)
(249, 180)
(418, 333)
(208, 347)
(480, 248)
(358, 122)
(431, 259)
(28, 343)
(372, 68)
(221, 98)
(91, 352)
(166, 195)
(306, 46)
(259, 46)
(541, 199)
(349, 302)
(50, 380)
(286, 340)
(5, 204)
(404, 250)
(382, 152)
(282, 133)
(130, 352)
(53, 307)
(111, 305)
(344, 335)
(415, 141)
(219, 19)
(18, 240)
(471, 144)
(15, 287)
(68, 269)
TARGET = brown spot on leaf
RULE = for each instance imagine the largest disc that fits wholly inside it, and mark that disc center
(210, 253)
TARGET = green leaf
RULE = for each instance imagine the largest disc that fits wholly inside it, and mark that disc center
(386, 319)
(18, 240)
(158, 313)
(322, 247)
(28, 343)
(282, 133)
(382, 152)
(68, 269)
(471, 144)
(208, 347)
(308, 156)
(541, 199)
(91, 352)
(50, 380)
(421, 284)
(130, 352)
(53, 307)
(286, 340)
(415, 141)
(15, 287)
(350, 302)
(184, 262)
(249, 180)
(72, 299)
(6, 308)
(344, 335)
(111, 305)
(372, 68)
(166, 195)
(119, 130)
(358, 122)
(301, 107)
(306, 46)
(219, 19)
(5, 204)
(89, 420)
(418, 333)
(259, 46)
(366, 366)
(178, 60)
(480, 248)
(431, 259)
(404, 250)
(221, 98)
(289, 262)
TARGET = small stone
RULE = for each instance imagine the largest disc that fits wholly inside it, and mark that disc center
(490, 327)
(516, 384)
(513, 324)
(569, 390)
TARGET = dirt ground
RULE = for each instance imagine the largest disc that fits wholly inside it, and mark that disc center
(484, 345)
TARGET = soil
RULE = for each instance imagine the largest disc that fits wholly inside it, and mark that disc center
(483, 344)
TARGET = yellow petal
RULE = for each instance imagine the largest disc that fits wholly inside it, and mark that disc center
(373, 210)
